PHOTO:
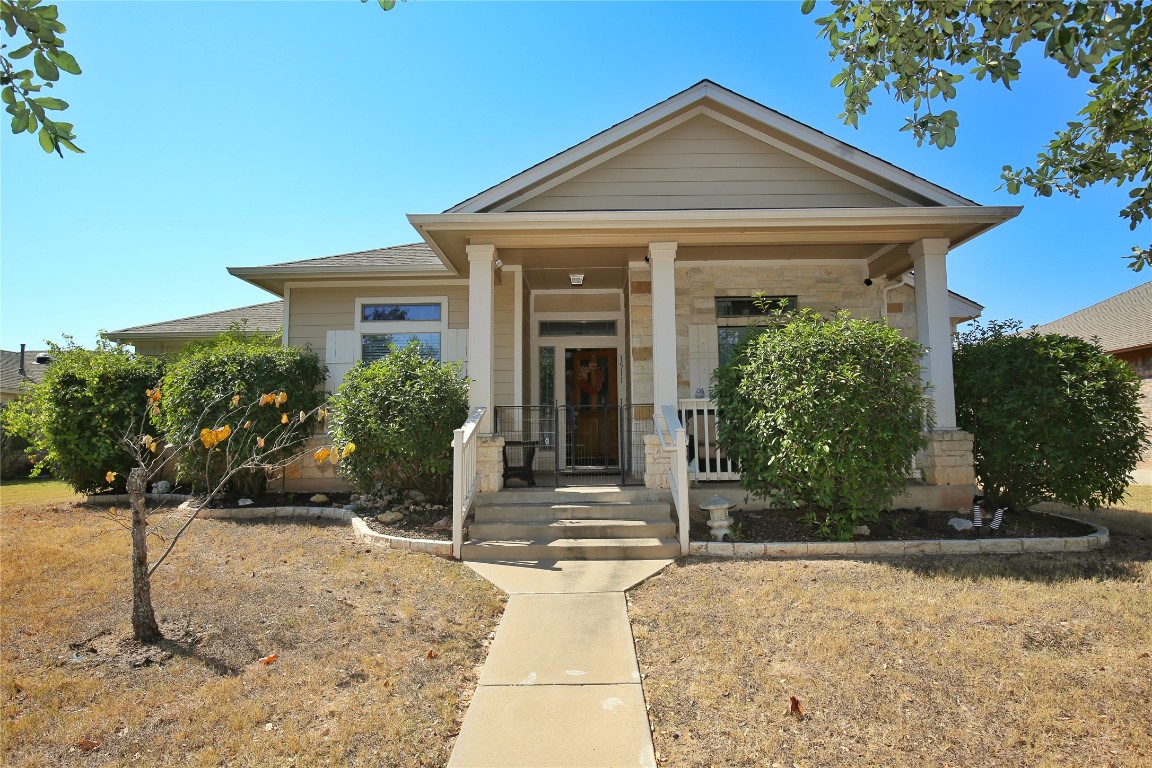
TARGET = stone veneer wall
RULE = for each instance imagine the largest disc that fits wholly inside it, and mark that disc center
(825, 288)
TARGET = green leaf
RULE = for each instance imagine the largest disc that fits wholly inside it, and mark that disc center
(46, 69)
(20, 122)
(22, 51)
(51, 102)
(8, 95)
(65, 61)
(807, 7)
(71, 146)
(387, 4)
(46, 141)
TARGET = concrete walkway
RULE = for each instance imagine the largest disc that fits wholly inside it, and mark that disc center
(561, 686)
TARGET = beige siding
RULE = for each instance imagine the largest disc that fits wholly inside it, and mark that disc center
(704, 164)
(503, 340)
(577, 302)
(159, 347)
(315, 311)
(312, 312)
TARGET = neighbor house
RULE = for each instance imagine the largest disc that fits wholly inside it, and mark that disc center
(1123, 327)
(592, 295)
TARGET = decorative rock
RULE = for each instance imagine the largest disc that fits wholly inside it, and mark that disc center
(319, 499)
(443, 523)
(161, 486)
(861, 530)
(960, 524)
(718, 520)
(390, 517)
(245, 502)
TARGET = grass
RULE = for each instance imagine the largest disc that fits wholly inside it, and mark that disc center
(1038, 660)
(36, 491)
(376, 650)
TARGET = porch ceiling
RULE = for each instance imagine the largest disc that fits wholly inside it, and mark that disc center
(613, 238)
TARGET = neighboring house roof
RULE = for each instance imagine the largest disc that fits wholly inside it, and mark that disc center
(394, 261)
(12, 382)
(267, 318)
(1122, 323)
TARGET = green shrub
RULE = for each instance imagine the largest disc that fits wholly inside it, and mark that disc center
(400, 412)
(79, 415)
(823, 414)
(15, 461)
(1052, 417)
(199, 388)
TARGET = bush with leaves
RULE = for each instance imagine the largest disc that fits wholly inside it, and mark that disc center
(1052, 417)
(76, 418)
(400, 412)
(206, 381)
(823, 414)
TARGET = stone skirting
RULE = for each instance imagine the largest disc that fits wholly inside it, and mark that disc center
(490, 462)
(947, 459)
(657, 463)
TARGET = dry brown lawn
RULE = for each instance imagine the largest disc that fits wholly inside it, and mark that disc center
(375, 651)
(1019, 660)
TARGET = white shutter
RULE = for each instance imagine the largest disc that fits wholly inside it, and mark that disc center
(340, 350)
(703, 357)
(454, 347)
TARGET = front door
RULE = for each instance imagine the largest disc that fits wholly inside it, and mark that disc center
(590, 396)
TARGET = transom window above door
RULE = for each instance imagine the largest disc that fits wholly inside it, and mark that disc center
(370, 313)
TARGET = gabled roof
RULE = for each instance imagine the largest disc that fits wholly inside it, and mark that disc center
(415, 259)
(744, 114)
(266, 318)
(11, 380)
(1122, 323)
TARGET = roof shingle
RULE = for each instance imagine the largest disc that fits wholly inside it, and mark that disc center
(1121, 322)
(408, 255)
(267, 318)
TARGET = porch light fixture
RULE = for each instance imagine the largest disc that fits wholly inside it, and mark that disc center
(576, 279)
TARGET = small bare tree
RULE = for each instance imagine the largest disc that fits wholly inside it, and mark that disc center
(237, 450)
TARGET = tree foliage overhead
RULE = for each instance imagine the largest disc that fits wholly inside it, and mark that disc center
(918, 50)
(40, 27)
(1052, 417)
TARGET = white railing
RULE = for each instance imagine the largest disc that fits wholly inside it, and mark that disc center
(674, 443)
(707, 461)
(465, 479)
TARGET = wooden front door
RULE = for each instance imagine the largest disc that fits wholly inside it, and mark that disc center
(590, 394)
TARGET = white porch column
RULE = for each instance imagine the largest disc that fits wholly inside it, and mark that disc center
(481, 264)
(934, 327)
(662, 258)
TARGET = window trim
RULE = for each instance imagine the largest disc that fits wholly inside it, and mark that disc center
(363, 327)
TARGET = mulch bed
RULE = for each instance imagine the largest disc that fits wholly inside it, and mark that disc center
(893, 525)
(422, 521)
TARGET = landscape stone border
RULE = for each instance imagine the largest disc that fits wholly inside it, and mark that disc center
(359, 527)
(768, 550)
(984, 546)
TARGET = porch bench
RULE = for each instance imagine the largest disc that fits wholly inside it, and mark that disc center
(526, 450)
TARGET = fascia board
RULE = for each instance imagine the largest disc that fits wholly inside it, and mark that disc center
(711, 219)
(835, 147)
(580, 152)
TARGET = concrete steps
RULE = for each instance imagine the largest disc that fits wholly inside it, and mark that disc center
(571, 524)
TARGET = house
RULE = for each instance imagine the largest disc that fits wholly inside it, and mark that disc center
(1123, 326)
(20, 370)
(170, 335)
(591, 295)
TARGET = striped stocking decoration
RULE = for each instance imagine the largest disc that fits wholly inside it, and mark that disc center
(977, 513)
(998, 518)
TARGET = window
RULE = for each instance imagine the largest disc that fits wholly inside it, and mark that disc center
(577, 327)
(384, 323)
(735, 314)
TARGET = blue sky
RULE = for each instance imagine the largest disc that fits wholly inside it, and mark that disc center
(236, 134)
